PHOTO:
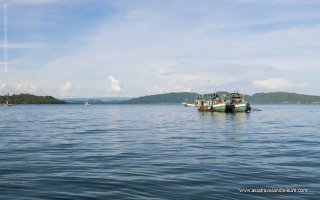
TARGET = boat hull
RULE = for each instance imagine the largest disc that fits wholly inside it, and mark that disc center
(214, 108)
(221, 107)
(239, 107)
(204, 108)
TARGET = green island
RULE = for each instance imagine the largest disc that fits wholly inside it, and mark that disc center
(30, 99)
(174, 97)
(282, 97)
(167, 98)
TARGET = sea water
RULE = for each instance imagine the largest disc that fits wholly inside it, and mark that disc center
(158, 152)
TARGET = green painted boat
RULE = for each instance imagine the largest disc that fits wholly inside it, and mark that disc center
(235, 102)
(210, 103)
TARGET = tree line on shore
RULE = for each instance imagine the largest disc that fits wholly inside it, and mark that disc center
(29, 99)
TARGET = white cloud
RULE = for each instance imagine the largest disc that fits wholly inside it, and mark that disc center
(66, 89)
(157, 90)
(276, 83)
(116, 86)
(3, 87)
(182, 46)
(26, 88)
(160, 90)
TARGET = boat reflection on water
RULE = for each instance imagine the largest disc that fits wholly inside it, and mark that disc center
(235, 122)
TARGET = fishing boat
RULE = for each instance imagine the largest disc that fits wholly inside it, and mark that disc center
(235, 102)
(211, 103)
(87, 103)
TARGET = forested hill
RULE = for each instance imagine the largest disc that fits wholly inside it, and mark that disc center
(282, 97)
(30, 99)
(174, 97)
(272, 97)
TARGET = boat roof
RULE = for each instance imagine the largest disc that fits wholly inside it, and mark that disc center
(236, 95)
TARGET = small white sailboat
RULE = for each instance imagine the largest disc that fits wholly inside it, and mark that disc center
(7, 103)
(188, 104)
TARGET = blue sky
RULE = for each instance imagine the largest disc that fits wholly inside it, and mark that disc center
(91, 48)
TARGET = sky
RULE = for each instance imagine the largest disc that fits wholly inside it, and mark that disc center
(129, 48)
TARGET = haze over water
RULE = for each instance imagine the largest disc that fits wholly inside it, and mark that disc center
(157, 152)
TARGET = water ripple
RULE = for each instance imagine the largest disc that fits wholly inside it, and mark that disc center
(157, 152)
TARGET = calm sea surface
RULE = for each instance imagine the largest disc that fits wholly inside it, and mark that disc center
(158, 152)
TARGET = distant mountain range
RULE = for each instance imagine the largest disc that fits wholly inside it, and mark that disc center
(272, 97)
(168, 98)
